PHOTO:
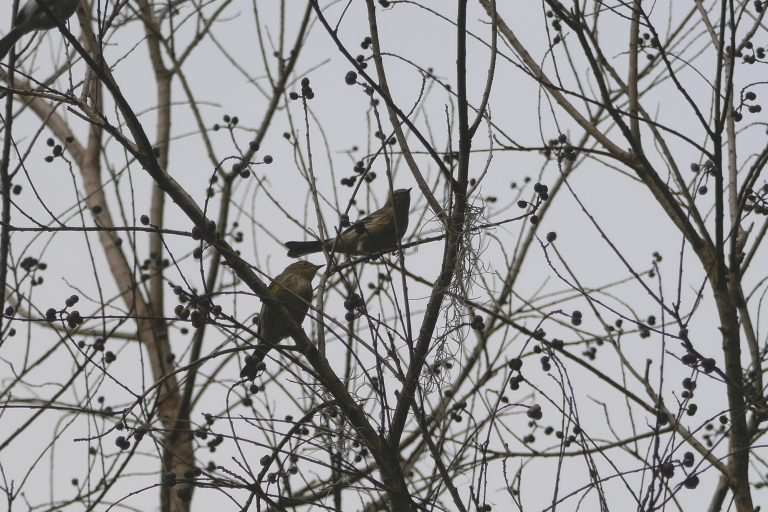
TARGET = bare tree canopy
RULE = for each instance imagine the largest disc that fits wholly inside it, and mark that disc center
(532, 240)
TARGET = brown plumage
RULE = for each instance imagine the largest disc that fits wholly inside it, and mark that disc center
(292, 289)
(378, 232)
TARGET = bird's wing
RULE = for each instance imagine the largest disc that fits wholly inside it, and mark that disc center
(365, 220)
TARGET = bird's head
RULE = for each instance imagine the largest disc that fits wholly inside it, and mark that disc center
(304, 268)
(401, 196)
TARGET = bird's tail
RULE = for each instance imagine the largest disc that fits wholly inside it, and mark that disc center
(296, 249)
(8, 41)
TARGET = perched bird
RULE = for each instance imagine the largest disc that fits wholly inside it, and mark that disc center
(33, 17)
(378, 232)
(292, 289)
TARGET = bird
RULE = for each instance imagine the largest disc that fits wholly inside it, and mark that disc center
(378, 232)
(33, 17)
(291, 289)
